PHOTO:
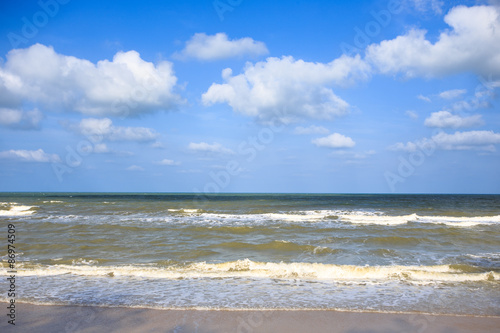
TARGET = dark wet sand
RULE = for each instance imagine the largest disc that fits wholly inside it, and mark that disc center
(52, 318)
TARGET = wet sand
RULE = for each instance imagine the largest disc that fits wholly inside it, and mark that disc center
(53, 318)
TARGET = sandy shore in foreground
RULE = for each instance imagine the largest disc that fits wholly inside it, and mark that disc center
(52, 318)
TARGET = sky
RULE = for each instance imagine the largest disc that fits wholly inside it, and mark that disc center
(216, 96)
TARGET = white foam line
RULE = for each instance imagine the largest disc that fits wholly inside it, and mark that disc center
(250, 269)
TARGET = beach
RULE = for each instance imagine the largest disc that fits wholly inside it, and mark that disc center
(250, 166)
(53, 318)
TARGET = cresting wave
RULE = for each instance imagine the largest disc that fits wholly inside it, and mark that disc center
(182, 210)
(193, 215)
(250, 269)
(354, 217)
(447, 220)
(16, 210)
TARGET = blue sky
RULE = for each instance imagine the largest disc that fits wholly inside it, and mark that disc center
(250, 96)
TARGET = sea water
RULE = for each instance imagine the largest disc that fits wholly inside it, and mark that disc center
(412, 253)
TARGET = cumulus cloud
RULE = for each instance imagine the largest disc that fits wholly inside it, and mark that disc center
(470, 140)
(209, 148)
(19, 119)
(467, 140)
(471, 45)
(103, 129)
(30, 156)
(445, 119)
(451, 94)
(125, 86)
(334, 140)
(206, 47)
(287, 89)
(311, 130)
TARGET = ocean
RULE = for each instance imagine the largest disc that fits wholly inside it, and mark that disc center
(361, 252)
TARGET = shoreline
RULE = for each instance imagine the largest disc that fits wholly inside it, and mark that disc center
(145, 307)
(74, 318)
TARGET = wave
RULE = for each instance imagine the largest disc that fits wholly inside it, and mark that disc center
(185, 210)
(311, 215)
(486, 260)
(250, 269)
(281, 245)
(364, 218)
(395, 240)
(459, 221)
(352, 217)
(299, 217)
(18, 210)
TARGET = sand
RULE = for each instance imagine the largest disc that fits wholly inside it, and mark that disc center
(52, 318)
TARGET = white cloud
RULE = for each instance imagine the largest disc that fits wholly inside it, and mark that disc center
(209, 148)
(125, 86)
(135, 168)
(287, 89)
(481, 99)
(451, 94)
(467, 140)
(424, 98)
(408, 147)
(19, 119)
(311, 130)
(30, 156)
(158, 145)
(353, 155)
(334, 140)
(445, 119)
(471, 140)
(471, 45)
(411, 114)
(168, 162)
(205, 47)
(101, 148)
(435, 6)
(103, 129)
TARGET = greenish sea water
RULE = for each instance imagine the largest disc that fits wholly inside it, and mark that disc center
(425, 253)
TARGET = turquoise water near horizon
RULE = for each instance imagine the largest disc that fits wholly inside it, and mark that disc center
(378, 252)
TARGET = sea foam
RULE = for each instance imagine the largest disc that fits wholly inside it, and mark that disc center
(18, 210)
(251, 269)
